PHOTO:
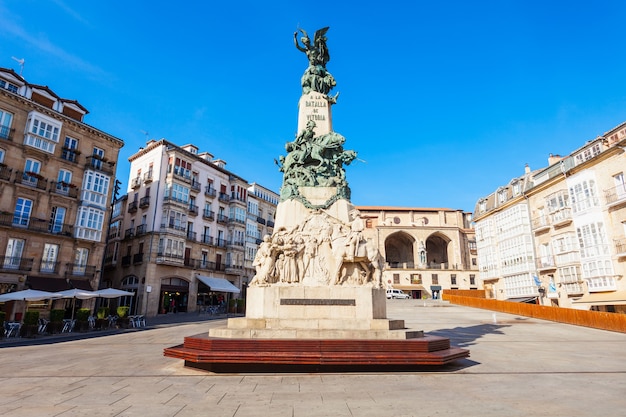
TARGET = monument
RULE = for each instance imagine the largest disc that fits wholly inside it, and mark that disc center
(317, 299)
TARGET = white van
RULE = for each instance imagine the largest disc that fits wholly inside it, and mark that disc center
(396, 294)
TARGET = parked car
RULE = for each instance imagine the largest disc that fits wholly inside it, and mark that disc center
(397, 294)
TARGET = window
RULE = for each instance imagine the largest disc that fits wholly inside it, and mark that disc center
(435, 278)
(516, 188)
(2, 155)
(472, 279)
(49, 258)
(502, 196)
(588, 153)
(95, 188)
(453, 279)
(98, 156)
(57, 217)
(13, 253)
(8, 86)
(620, 185)
(31, 172)
(5, 124)
(21, 215)
(42, 132)
(584, 195)
(70, 149)
(64, 179)
(80, 261)
(482, 206)
(89, 223)
(177, 192)
(396, 278)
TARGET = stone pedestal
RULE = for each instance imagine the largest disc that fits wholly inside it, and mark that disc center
(315, 107)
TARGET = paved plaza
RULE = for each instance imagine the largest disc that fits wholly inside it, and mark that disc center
(518, 367)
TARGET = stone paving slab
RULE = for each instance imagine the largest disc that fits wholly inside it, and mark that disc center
(518, 367)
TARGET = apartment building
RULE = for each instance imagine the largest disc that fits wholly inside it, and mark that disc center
(426, 250)
(557, 236)
(56, 175)
(187, 231)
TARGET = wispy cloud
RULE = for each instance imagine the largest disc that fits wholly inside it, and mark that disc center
(10, 26)
(71, 12)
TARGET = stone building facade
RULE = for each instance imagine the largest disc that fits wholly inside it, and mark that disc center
(56, 181)
(557, 235)
(426, 250)
(185, 235)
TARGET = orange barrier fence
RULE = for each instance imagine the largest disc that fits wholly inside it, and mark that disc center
(615, 322)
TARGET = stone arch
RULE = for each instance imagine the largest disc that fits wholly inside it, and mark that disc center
(437, 249)
(399, 250)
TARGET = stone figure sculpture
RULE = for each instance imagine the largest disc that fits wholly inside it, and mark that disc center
(321, 251)
(315, 161)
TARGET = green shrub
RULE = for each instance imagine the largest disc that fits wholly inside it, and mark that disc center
(31, 318)
(122, 311)
(83, 314)
(57, 315)
(103, 312)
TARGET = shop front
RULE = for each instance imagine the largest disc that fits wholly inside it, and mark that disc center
(174, 295)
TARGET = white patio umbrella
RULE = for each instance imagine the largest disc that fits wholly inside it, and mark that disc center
(112, 293)
(75, 293)
(28, 295)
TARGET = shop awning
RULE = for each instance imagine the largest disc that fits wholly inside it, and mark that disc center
(522, 300)
(57, 284)
(603, 298)
(218, 284)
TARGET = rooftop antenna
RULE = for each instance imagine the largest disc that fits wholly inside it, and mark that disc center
(21, 64)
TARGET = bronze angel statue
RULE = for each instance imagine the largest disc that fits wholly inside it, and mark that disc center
(317, 53)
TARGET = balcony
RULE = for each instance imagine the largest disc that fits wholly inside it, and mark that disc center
(129, 233)
(222, 219)
(6, 133)
(220, 243)
(147, 177)
(169, 259)
(191, 236)
(204, 264)
(48, 267)
(620, 247)
(31, 179)
(208, 215)
(16, 264)
(209, 191)
(615, 196)
(540, 224)
(546, 263)
(174, 228)
(260, 220)
(36, 225)
(182, 174)
(64, 188)
(78, 270)
(135, 183)
(141, 230)
(70, 154)
(561, 217)
(206, 239)
(137, 258)
(270, 223)
(100, 164)
(195, 185)
(126, 260)
(192, 210)
(224, 197)
(5, 172)
(132, 207)
(144, 202)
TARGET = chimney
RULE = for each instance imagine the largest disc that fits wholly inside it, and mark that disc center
(553, 159)
(526, 169)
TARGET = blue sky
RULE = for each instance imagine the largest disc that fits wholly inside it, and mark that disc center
(444, 101)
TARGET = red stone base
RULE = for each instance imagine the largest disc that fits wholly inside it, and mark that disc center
(296, 355)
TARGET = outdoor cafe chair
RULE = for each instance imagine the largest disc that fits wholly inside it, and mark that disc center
(12, 329)
(140, 321)
(92, 322)
(68, 325)
(43, 326)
